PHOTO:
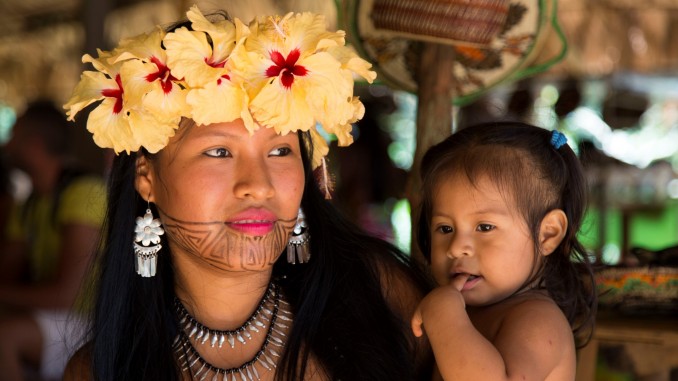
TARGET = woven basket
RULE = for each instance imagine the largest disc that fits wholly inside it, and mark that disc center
(475, 22)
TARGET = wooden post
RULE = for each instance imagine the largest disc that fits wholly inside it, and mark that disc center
(434, 114)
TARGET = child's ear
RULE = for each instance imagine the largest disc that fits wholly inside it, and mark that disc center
(552, 231)
(143, 178)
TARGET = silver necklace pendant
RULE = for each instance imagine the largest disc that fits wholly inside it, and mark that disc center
(193, 364)
(203, 335)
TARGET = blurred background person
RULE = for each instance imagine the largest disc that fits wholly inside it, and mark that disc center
(6, 193)
(47, 245)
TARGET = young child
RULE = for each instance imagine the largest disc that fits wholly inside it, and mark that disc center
(501, 208)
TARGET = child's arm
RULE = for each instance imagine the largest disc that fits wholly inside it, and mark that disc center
(530, 344)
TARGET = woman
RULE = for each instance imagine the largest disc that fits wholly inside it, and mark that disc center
(217, 121)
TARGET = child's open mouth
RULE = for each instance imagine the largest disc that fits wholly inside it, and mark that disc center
(470, 276)
(471, 280)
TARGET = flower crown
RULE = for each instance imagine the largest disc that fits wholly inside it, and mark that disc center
(288, 73)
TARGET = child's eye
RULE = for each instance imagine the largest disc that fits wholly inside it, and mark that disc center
(218, 152)
(445, 229)
(485, 227)
(281, 151)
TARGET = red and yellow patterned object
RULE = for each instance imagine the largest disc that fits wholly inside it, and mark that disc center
(639, 289)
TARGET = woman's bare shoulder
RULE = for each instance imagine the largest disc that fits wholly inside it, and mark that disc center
(79, 365)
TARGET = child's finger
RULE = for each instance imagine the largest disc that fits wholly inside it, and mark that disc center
(459, 281)
(416, 324)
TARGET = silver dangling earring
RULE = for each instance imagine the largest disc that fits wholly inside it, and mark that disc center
(147, 231)
(298, 247)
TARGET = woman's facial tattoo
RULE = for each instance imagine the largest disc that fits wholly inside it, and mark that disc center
(224, 248)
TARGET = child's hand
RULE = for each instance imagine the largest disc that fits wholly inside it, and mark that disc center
(437, 301)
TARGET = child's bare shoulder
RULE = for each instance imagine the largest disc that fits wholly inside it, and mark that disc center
(533, 307)
(535, 325)
(531, 299)
(531, 333)
(527, 313)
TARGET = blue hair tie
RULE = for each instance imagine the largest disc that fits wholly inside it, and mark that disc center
(558, 139)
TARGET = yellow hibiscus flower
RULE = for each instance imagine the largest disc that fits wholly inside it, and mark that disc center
(298, 74)
(131, 114)
(148, 80)
(201, 57)
(107, 122)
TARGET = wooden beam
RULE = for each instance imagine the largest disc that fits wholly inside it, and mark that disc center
(434, 112)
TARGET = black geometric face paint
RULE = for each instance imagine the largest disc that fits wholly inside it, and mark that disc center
(227, 249)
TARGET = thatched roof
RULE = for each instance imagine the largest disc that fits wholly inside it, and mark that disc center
(41, 41)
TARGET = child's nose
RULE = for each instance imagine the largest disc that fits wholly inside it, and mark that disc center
(460, 246)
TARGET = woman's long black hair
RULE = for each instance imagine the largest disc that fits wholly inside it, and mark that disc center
(341, 316)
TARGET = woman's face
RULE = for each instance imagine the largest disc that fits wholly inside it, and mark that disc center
(225, 196)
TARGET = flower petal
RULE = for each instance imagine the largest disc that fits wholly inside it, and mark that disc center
(167, 106)
(343, 131)
(351, 61)
(188, 54)
(153, 133)
(218, 102)
(87, 91)
(103, 63)
(332, 89)
(143, 46)
(111, 130)
(133, 75)
(284, 110)
(224, 34)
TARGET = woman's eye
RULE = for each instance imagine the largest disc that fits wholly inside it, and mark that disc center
(280, 151)
(445, 229)
(485, 227)
(218, 152)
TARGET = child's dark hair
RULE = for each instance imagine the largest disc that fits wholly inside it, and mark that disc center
(520, 159)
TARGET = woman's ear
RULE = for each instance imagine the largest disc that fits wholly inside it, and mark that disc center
(143, 178)
(552, 231)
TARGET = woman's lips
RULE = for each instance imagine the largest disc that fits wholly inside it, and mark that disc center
(252, 227)
(253, 221)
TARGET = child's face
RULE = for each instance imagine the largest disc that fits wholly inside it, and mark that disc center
(476, 230)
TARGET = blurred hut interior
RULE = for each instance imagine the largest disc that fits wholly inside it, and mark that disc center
(604, 72)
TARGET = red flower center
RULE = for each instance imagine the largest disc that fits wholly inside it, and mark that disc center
(219, 65)
(163, 74)
(211, 63)
(286, 66)
(115, 93)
